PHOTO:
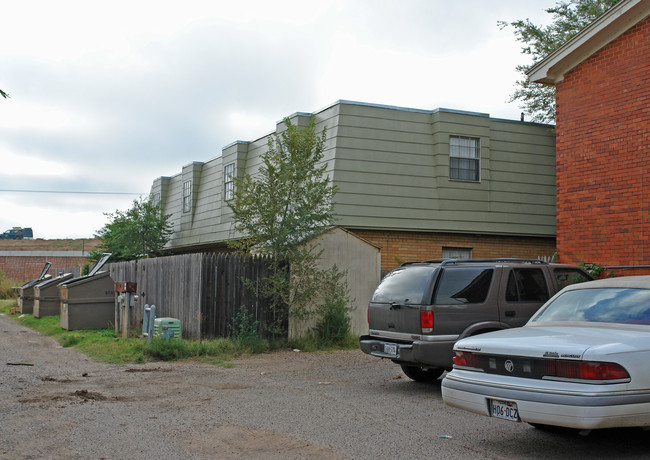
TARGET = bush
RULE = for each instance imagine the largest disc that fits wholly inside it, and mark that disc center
(596, 270)
(333, 323)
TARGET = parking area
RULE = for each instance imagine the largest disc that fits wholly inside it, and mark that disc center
(56, 403)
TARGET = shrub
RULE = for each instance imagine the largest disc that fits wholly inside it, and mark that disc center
(333, 323)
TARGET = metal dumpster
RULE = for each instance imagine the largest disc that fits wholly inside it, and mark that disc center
(88, 302)
(47, 300)
(26, 291)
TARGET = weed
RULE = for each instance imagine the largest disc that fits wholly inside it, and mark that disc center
(243, 325)
(5, 286)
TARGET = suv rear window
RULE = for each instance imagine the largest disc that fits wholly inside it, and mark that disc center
(463, 285)
(404, 285)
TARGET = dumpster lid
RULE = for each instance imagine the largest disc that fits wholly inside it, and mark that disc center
(40, 278)
(100, 263)
(57, 279)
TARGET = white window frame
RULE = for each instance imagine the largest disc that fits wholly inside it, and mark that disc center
(229, 182)
(187, 196)
(465, 158)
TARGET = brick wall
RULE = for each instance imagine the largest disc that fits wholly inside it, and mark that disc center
(25, 268)
(399, 247)
(603, 155)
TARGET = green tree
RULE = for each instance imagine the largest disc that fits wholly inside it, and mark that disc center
(538, 100)
(3, 94)
(279, 210)
(139, 232)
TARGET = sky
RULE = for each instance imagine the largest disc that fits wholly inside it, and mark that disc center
(107, 96)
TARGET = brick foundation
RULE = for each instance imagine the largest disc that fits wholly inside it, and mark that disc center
(399, 247)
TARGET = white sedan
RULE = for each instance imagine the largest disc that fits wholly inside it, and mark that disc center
(582, 361)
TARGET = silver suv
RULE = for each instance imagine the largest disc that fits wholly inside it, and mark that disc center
(420, 309)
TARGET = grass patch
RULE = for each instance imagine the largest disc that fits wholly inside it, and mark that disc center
(103, 345)
(313, 343)
(6, 284)
(6, 305)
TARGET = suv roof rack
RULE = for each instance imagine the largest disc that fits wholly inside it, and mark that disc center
(466, 261)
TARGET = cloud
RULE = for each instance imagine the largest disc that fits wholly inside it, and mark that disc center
(107, 97)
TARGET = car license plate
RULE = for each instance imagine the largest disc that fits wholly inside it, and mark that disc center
(506, 410)
(390, 349)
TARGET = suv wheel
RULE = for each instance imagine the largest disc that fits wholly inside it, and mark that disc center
(422, 375)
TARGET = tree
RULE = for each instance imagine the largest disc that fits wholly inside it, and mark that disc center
(280, 210)
(569, 18)
(3, 94)
(139, 232)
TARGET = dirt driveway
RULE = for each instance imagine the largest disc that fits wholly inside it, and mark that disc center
(57, 404)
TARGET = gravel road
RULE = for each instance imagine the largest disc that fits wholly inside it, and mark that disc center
(55, 403)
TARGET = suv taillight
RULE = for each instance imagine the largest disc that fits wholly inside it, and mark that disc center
(426, 322)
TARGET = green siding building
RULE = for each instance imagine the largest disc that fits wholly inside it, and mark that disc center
(431, 182)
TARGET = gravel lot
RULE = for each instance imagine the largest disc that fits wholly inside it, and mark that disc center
(55, 403)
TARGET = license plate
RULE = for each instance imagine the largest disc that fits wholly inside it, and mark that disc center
(390, 349)
(506, 410)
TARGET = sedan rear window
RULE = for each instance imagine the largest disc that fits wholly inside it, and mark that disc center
(606, 305)
(404, 285)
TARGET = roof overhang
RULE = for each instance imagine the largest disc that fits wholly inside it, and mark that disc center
(615, 22)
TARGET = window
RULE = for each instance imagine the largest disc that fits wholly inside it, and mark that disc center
(456, 253)
(566, 276)
(404, 285)
(187, 196)
(229, 182)
(465, 158)
(460, 285)
(608, 305)
(526, 285)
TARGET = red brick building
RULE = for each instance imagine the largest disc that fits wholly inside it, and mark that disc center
(602, 80)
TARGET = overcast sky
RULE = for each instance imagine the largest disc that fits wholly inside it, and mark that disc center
(107, 96)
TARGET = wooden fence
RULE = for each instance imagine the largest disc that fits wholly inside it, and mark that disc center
(204, 291)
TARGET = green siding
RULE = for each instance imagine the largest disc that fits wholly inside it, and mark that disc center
(391, 166)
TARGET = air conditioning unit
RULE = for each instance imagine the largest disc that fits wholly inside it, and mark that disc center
(167, 328)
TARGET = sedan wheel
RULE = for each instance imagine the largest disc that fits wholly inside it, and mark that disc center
(422, 375)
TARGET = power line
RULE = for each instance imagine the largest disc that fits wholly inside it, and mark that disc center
(76, 192)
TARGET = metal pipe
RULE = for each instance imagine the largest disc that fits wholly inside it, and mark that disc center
(620, 267)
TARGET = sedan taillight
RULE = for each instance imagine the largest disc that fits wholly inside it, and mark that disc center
(589, 370)
(542, 368)
(465, 359)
